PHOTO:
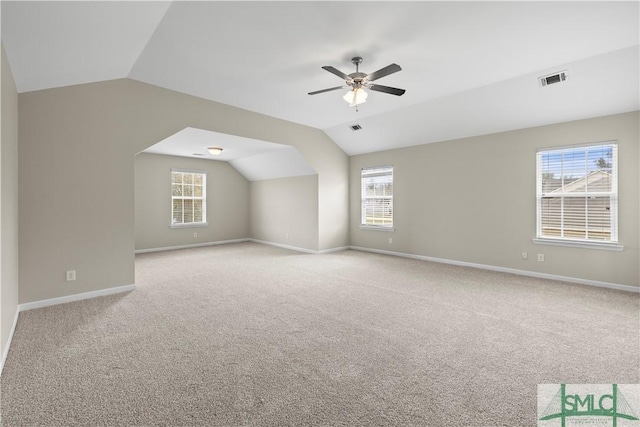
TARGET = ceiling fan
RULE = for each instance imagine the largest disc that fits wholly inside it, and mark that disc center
(359, 81)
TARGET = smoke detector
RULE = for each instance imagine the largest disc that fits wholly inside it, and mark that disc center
(550, 79)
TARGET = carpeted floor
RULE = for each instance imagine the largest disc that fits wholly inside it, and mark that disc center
(248, 334)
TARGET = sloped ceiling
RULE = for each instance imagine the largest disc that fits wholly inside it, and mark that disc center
(54, 44)
(469, 68)
(255, 160)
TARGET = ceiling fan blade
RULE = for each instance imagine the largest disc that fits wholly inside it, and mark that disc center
(326, 90)
(387, 89)
(389, 69)
(338, 73)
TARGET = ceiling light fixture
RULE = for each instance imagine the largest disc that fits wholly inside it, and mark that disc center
(215, 151)
(356, 96)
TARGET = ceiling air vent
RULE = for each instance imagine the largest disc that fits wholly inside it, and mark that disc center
(355, 127)
(550, 79)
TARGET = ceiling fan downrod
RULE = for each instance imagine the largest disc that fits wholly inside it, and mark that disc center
(356, 60)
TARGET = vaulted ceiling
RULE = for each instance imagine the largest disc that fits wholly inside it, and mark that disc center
(469, 68)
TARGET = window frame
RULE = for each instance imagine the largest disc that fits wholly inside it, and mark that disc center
(363, 199)
(612, 243)
(203, 198)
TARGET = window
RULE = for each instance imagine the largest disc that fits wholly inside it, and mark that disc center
(188, 198)
(577, 193)
(377, 197)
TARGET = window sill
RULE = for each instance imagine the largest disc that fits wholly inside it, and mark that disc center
(376, 228)
(579, 244)
(190, 225)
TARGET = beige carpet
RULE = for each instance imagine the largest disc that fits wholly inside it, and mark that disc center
(247, 334)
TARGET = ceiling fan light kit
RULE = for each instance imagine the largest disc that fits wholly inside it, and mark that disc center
(355, 97)
(358, 81)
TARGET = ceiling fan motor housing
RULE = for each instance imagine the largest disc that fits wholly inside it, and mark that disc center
(357, 79)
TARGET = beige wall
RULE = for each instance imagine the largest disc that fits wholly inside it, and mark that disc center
(76, 170)
(473, 200)
(285, 211)
(333, 214)
(227, 202)
(8, 203)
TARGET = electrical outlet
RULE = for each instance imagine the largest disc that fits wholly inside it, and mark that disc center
(286, 236)
(390, 240)
(71, 275)
(525, 255)
(541, 257)
(195, 234)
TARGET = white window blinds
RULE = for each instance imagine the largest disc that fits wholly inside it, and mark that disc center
(188, 197)
(577, 193)
(377, 196)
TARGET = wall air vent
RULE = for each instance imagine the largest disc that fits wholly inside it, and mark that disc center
(550, 79)
(355, 127)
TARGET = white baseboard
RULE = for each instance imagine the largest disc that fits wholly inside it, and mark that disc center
(224, 242)
(280, 245)
(298, 249)
(75, 297)
(195, 245)
(8, 343)
(332, 250)
(597, 283)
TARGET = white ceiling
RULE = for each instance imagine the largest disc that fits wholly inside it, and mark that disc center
(52, 44)
(256, 160)
(193, 142)
(469, 68)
